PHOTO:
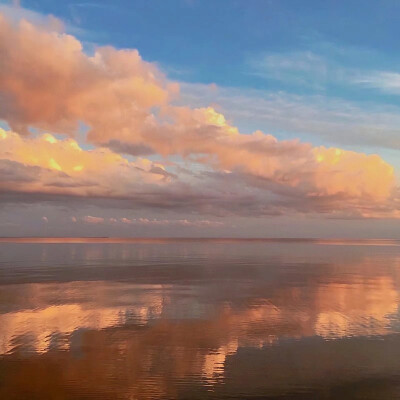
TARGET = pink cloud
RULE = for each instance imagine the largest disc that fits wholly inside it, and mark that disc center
(93, 220)
(47, 81)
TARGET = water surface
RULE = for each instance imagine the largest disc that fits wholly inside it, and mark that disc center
(199, 319)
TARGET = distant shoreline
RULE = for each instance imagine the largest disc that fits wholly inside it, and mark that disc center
(105, 240)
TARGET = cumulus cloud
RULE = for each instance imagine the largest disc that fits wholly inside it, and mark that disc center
(48, 165)
(110, 90)
(92, 220)
(48, 82)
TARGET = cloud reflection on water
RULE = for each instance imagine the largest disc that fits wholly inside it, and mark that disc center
(175, 317)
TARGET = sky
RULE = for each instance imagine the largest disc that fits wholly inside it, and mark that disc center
(200, 118)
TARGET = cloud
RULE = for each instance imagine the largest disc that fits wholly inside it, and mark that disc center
(179, 222)
(335, 121)
(110, 90)
(385, 81)
(303, 68)
(48, 82)
(48, 165)
(15, 13)
(93, 220)
(150, 222)
(316, 67)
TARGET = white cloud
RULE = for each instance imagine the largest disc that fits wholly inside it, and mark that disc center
(299, 68)
(385, 81)
(93, 220)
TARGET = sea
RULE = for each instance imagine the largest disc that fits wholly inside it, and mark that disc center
(109, 318)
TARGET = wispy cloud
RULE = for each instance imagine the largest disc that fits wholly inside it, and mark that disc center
(303, 68)
(142, 221)
(334, 120)
(180, 222)
(385, 81)
(325, 66)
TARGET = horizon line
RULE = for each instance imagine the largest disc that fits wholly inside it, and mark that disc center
(115, 239)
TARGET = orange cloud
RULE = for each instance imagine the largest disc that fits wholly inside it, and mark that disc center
(111, 90)
(66, 168)
(47, 81)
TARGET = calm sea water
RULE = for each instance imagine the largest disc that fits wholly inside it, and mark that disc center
(154, 319)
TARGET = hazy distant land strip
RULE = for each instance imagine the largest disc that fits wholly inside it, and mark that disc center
(350, 242)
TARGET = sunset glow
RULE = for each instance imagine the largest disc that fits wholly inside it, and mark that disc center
(83, 125)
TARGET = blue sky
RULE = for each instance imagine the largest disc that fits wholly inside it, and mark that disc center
(218, 41)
